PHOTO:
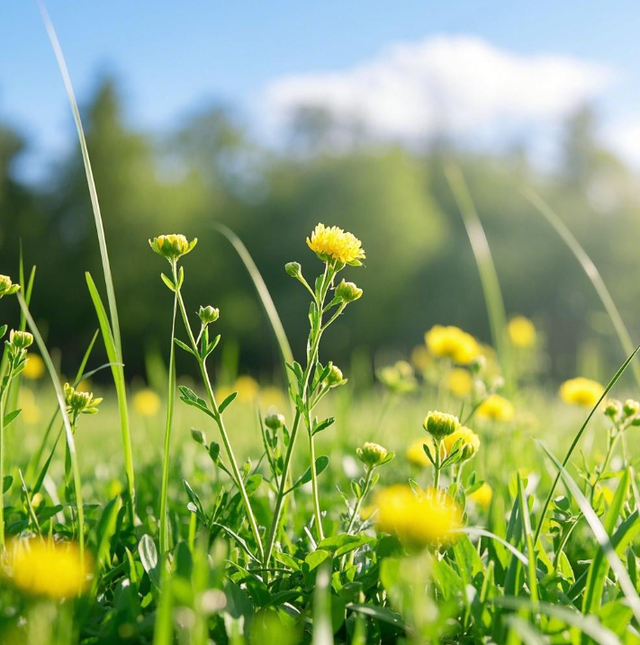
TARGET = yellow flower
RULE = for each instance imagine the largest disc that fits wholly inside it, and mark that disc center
(440, 424)
(452, 342)
(459, 382)
(496, 408)
(146, 403)
(417, 520)
(522, 332)
(470, 442)
(606, 494)
(27, 403)
(482, 496)
(421, 358)
(172, 247)
(34, 367)
(247, 389)
(51, 569)
(399, 378)
(271, 396)
(581, 391)
(333, 244)
(416, 454)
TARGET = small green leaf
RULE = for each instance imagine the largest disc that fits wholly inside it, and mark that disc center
(223, 406)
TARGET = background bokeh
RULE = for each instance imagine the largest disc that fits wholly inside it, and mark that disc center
(212, 165)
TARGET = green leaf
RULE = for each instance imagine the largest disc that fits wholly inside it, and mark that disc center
(223, 406)
(316, 558)
(149, 558)
(12, 416)
(168, 282)
(323, 425)
(7, 483)
(184, 346)
(379, 613)
(321, 463)
(199, 436)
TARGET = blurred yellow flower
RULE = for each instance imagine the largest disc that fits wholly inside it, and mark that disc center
(607, 494)
(483, 495)
(581, 391)
(421, 358)
(522, 332)
(332, 243)
(470, 442)
(496, 408)
(451, 342)
(416, 454)
(271, 396)
(399, 378)
(146, 403)
(34, 368)
(27, 403)
(51, 569)
(459, 382)
(417, 520)
(247, 388)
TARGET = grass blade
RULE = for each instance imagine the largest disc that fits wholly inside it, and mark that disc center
(486, 268)
(77, 482)
(590, 269)
(578, 436)
(322, 628)
(526, 533)
(263, 292)
(601, 535)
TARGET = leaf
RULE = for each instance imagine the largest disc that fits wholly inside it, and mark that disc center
(321, 463)
(316, 558)
(379, 613)
(199, 436)
(6, 483)
(323, 425)
(168, 282)
(344, 543)
(183, 346)
(12, 416)
(149, 557)
(223, 406)
(253, 483)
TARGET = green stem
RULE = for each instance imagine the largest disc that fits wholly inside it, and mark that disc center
(436, 468)
(612, 444)
(221, 426)
(166, 458)
(2, 406)
(314, 483)
(356, 508)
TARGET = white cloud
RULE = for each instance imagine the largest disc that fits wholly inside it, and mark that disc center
(624, 137)
(456, 85)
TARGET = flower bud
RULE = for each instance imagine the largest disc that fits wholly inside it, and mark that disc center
(440, 424)
(20, 339)
(613, 409)
(334, 378)
(348, 292)
(172, 247)
(631, 407)
(80, 402)
(371, 454)
(293, 269)
(208, 314)
(7, 287)
(274, 422)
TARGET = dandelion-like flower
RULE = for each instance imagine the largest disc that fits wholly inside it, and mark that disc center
(469, 442)
(451, 342)
(146, 403)
(332, 244)
(47, 569)
(426, 519)
(460, 382)
(581, 391)
(522, 332)
(496, 408)
(173, 246)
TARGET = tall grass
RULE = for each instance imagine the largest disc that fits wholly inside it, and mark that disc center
(113, 320)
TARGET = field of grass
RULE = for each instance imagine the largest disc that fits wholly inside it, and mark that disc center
(453, 497)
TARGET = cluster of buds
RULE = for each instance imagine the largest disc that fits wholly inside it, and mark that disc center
(623, 414)
(172, 247)
(17, 346)
(79, 402)
(7, 288)
(398, 378)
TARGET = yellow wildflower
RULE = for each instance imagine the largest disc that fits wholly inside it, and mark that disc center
(146, 403)
(483, 495)
(496, 408)
(581, 391)
(34, 367)
(470, 442)
(416, 454)
(27, 403)
(172, 247)
(440, 424)
(451, 342)
(417, 520)
(421, 358)
(247, 389)
(459, 382)
(522, 332)
(271, 396)
(333, 244)
(51, 569)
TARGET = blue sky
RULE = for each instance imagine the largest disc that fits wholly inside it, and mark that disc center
(172, 56)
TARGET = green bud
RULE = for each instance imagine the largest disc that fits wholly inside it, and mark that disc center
(631, 407)
(371, 454)
(440, 424)
(293, 269)
(274, 421)
(20, 339)
(335, 378)
(80, 402)
(613, 409)
(7, 287)
(172, 247)
(348, 292)
(208, 314)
